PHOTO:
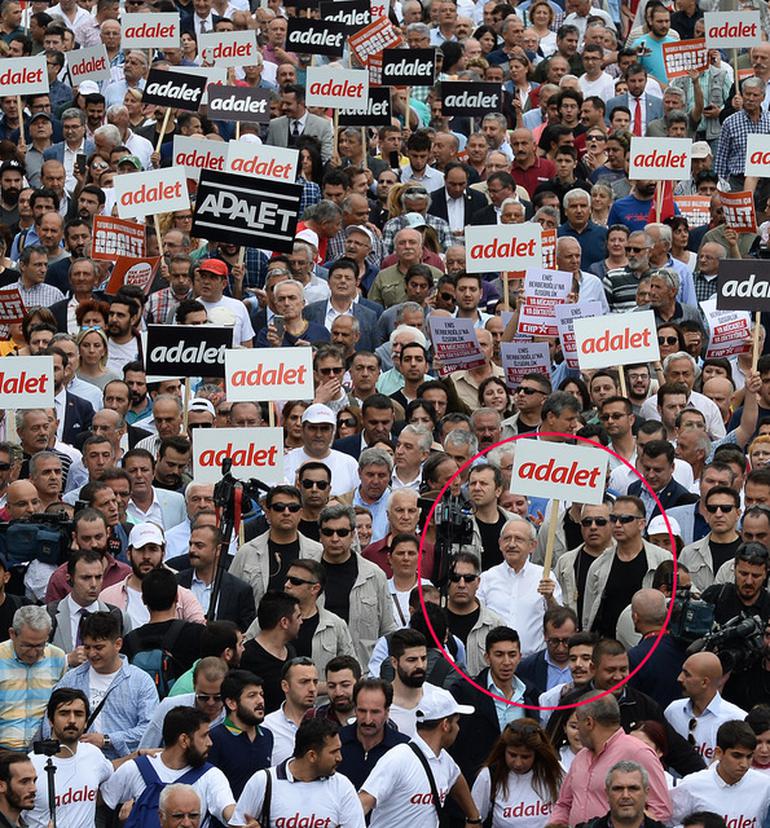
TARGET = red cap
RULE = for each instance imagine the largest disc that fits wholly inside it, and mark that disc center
(216, 266)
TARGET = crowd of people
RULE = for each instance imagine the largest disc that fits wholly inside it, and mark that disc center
(312, 669)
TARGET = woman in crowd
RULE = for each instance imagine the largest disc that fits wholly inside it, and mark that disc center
(92, 346)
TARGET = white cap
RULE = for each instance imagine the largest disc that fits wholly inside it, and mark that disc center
(317, 414)
(309, 236)
(352, 228)
(201, 404)
(144, 533)
(88, 87)
(439, 704)
(657, 526)
(700, 149)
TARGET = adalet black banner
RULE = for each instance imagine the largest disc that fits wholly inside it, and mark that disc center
(408, 67)
(743, 284)
(470, 100)
(377, 110)
(187, 350)
(308, 36)
(174, 89)
(242, 210)
(238, 103)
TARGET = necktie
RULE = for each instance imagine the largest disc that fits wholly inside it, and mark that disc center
(295, 130)
(83, 613)
(203, 26)
(638, 118)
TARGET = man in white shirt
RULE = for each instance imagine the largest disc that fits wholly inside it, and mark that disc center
(516, 589)
(70, 13)
(299, 683)
(122, 342)
(699, 715)
(409, 659)
(209, 287)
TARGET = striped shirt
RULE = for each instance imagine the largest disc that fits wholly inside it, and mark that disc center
(620, 286)
(24, 693)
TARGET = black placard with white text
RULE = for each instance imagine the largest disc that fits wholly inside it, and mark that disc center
(238, 103)
(470, 100)
(377, 111)
(241, 210)
(353, 14)
(743, 284)
(408, 67)
(308, 36)
(187, 350)
(174, 89)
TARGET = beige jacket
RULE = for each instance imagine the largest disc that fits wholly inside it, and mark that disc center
(475, 646)
(564, 571)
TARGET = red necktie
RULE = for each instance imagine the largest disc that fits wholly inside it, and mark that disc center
(638, 118)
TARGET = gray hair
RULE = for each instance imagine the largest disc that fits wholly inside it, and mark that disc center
(495, 457)
(605, 710)
(648, 240)
(421, 28)
(664, 232)
(416, 334)
(600, 187)
(65, 337)
(671, 276)
(138, 53)
(109, 132)
(485, 410)
(34, 617)
(21, 416)
(291, 283)
(520, 519)
(753, 83)
(324, 211)
(680, 355)
(413, 195)
(36, 458)
(354, 323)
(74, 112)
(461, 437)
(677, 116)
(674, 90)
(626, 766)
(498, 117)
(336, 511)
(375, 457)
(424, 437)
(115, 111)
(551, 212)
(305, 247)
(168, 398)
(571, 195)
(511, 200)
(170, 790)
(407, 307)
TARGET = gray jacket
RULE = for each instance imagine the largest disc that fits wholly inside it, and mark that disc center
(564, 572)
(475, 645)
(697, 558)
(60, 616)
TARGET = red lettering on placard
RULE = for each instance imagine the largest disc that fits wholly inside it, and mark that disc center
(309, 821)
(146, 194)
(146, 30)
(222, 50)
(269, 168)
(733, 30)
(25, 75)
(23, 384)
(250, 456)
(620, 342)
(741, 822)
(209, 161)
(759, 157)
(274, 376)
(661, 159)
(89, 65)
(346, 89)
(499, 249)
(570, 475)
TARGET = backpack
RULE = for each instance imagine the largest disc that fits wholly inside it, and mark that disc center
(144, 814)
(158, 663)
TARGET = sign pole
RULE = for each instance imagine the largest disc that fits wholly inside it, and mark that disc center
(185, 413)
(507, 288)
(20, 109)
(755, 348)
(163, 129)
(407, 118)
(156, 223)
(658, 200)
(555, 504)
(10, 425)
(622, 377)
(271, 414)
(363, 148)
(237, 130)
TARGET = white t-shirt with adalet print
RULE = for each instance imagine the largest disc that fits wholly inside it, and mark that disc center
(523, 804)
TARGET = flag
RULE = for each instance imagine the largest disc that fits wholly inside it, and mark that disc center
(665, 191)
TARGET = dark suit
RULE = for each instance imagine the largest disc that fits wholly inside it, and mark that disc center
(534, 670)
(367, 319)
(349, 445)
(58, 274)
(78, 414)
(674, 494)
(236, 599)
(486, 215)
(653, 107)
(473, 202)
(59, 309)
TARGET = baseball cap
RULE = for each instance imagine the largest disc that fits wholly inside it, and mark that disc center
(144, 533)
(657, 526)
(309, 236)
(700, 149)
(215, 266)
(361, 229)
(41, 115)
(317, 414)
(414, 220)
(11, 164)
(132, 160)
(200, 404)
(439, 704)
(88, 87)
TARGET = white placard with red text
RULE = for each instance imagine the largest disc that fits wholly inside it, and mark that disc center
(732, 29)
(660, 159)
(729, 330)
(493, 247)
(26, 382)
(229, 48)
(255, 452)
(337, 88)
(521, 358)
(156, 30)
(559, 470)
(89, 64)
(23, 76)
(266, 374)
(565, 321)
(455, 344)
(757, 156)
(196, 154)
(616, 339)
(147, 193)
(543, 291)
(263, 161)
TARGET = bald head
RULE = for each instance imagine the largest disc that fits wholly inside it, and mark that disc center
(648, 609)
(704, 666)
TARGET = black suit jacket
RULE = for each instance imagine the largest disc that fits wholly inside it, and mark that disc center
(78, 414)
(236, 599)
(486, 215)
(672, 495)
(534, 670)
(474, 201)
(58, 275)
(349, 445)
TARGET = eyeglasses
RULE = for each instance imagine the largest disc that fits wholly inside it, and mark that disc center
(207, 697)
(616, 415)
(590, 521)
(455, 578)
(283, 507)
(295, 581)
(668, 340)
(327, 372)
(725, 508)
(635, 377)
(557, 642)
(447, 297)
(330, 533)
(348, 422)
(624, 518)
(630, 249)
(528, 390)
(321, 485)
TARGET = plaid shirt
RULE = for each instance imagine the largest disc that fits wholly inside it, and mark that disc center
(41, 295)
(24, 693)
(731, 152)
(161, 304)
(311, 194)
(441, 226)
(704, 288)
(336, 250)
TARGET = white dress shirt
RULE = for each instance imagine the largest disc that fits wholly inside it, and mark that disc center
(679, 714)
(76, 613)
(455, 212)
(60, 403)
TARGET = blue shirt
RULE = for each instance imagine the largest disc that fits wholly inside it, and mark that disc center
(593, 242)
(632, 212)
(653, 62)
(378, 512)
(507, 713)
(236, 755)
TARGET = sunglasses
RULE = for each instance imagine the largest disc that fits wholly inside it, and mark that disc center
(206, 697)
(330, 533)
(630, 249)
(725, 508)
(348, 422)
(321, 485)
(528, 390)
(668, 340)
(614, 416)
(624, 518)
(596, 138)
(447, 297)
(468, 579)
(691, 725)
(283, 507)
(327, 372)
(590, 521)
(295, 581)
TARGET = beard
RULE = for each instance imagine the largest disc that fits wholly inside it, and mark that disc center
(414, 680)
(343, 705)
(194, 758)
(249, 717)
(11, 196)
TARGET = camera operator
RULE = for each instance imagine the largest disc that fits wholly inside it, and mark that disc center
(80, 767)
(747, 688)
(747, 593)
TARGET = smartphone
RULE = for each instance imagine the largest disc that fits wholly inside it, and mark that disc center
(80, 163)
(395, 163)
(280, 325)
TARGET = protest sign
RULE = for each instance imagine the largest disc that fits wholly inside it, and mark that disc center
(274, 163)
(374, 68)
(408, 67)
(268, 374)
(378, 9)
(212, 76)
(757, 155)
(565, 321)
(174, 89)
(503, 247)
(255, 452)
(696, 209)
(150, 192)
(229, 48)
(236, 103)
(26, 382)
(469, 100)
(113, 237)
(353, 14)
(306, 35)
(738, 209)
(743, 284)
(543, 291)
(660, 159)
(380, 34)
(337, 88)
(729, 331)
(187, 350)
(23, 76)
(193, 154)
(88, 64)
(154, 30)
(377, 112)
(616, 339)
(683, 56)
(548, 244)
(128, 270)
(732, 29)
(11, 306)
(239, 210)
(455, 344)
(521, 358)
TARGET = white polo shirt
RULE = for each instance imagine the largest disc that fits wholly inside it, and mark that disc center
(679, 714)
(284, 732)
(402, 790)
(324, 803)
(523, 805)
